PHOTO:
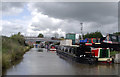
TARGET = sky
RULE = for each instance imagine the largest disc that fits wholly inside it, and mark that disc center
(50, 18)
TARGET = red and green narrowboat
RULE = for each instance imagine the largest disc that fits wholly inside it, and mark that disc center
(102, 54)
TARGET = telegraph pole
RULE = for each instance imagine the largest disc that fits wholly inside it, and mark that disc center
(81, 30)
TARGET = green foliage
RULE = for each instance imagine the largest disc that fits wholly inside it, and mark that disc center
(62, 37)
(93, 35)
(12, 49)
(41, 35)
(53, 38)
(112, 53)
(37, 42)
(117, 33)
(6, 60)
(18, 38)
(57, 43)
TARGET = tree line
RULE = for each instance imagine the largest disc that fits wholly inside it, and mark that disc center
(88, 35)
(95, 35)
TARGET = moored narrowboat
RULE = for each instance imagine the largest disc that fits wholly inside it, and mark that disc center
(102, 55)
(86, 52)
(52, 48)
(81, 54)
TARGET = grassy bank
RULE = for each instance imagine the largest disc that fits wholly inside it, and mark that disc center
(13, 48)
(112, 53)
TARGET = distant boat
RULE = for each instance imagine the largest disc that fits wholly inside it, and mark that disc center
(52, 48)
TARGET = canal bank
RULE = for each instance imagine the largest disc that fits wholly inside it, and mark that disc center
(37, 62)
(13, 49)
(8, 64)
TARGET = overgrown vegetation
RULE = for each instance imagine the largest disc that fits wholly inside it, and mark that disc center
(112, 53)
(13, 49)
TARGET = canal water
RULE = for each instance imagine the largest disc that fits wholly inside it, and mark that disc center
(42, 62)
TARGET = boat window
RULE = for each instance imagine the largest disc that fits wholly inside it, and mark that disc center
(69, 50)
(94, 40)
(89, 40)
(62, 49)
(114, 38)
(104, 53)
(118, 38)
(66, 49)
(73, 50)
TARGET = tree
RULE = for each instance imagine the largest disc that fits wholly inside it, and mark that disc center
(62, 37)
(93, 35)
(52, 38)
(19, 33)
(117, 33)
(41, 35)
(18, 37)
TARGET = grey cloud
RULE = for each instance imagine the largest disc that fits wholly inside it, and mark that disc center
(11, 8)
(96, 16)
(82, 11)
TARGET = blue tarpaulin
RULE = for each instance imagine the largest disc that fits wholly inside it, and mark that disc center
(83, 41)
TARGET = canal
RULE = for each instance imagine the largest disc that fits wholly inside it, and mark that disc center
(42, 62)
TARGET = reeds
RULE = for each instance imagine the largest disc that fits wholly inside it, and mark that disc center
(12, 49)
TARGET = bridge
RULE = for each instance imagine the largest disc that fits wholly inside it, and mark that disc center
(33, 40)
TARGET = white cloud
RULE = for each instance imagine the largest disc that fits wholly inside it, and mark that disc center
(55, 16)
(44, 24)
(48, 24)
(13, 27)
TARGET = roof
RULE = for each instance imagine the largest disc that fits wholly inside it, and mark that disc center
(71, 33)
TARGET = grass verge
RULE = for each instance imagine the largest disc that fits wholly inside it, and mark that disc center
(13, 49)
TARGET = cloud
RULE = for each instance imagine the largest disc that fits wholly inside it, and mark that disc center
(41, 23)
(96, 16)
(82, 11)
(13, 27)
(12, 8)
(63, 17)
(12, 23)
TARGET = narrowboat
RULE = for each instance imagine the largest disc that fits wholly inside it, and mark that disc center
(111, 41)
(102, 55)
(52, 48)
(81, 54)
(87, 52)
(99, 49)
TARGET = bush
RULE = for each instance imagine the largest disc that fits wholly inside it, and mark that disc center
(6, 60)
(13, 49)
(93, 35)
(112, 53)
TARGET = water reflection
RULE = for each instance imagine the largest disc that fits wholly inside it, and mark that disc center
(40, 50)
(42, 62)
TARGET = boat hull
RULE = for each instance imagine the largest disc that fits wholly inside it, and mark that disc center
(86, 60)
